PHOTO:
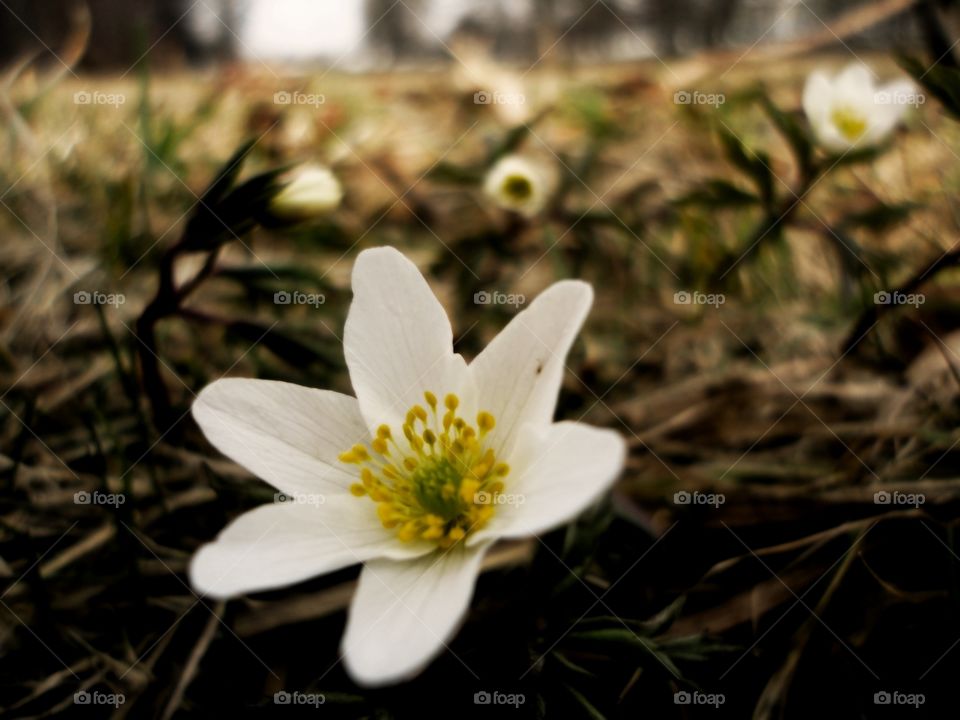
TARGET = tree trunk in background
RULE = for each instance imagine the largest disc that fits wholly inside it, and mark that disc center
(395, 30)
(122, 31)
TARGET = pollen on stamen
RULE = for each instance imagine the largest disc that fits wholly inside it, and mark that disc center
(436, 480)
(485, 422)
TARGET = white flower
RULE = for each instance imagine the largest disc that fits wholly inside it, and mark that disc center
(514, 183)
(849, 109)
(310, 191)
(431, 463)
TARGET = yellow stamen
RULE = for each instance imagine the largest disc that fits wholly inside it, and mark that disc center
(851, 124)
(439, 481)
(485, 422)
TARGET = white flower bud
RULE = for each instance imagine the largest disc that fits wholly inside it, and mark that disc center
(310, 191)
(515, 183)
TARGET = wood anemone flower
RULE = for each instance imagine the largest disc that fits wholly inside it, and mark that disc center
(849, 110)
(416, 477)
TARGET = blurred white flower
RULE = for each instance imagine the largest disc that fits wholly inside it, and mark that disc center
(308, 192)
(417, 476)
(498, 89)
(850, 109)
(517, 184)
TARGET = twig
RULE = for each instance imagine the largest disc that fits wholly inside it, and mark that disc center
(193, 662)
(872, 314)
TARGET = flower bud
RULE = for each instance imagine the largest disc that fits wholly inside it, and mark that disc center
(515, 183)
(308, 192)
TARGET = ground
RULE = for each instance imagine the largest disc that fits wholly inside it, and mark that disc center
(744, 553)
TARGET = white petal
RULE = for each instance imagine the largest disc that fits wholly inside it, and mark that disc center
(854, 81)
(832, 139)
(895, 98)
(277, 545)
(882, 124)
(817, 98)
(404, 613)
(397, 340)
(563, 470)
(518, 375)
(286, 434)
(899, 89)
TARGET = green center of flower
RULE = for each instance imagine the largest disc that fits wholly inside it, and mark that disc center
(518, 188)
(850, 123)
(441, 484)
